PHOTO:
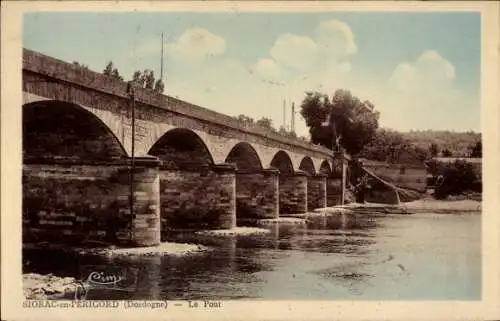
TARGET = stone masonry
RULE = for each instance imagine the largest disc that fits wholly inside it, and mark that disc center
(257, 194)
(293, 193)
(316, 192)
(204, 199)
(66, 202)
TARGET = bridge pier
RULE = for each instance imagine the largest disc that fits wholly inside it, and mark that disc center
(204, 199)
(333, 191)
(76, 201)
(257, 195)
(316, 192)
(293, 193)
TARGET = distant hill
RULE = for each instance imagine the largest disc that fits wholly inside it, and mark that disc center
(458, 143)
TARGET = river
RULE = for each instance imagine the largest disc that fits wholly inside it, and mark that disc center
(363, 257)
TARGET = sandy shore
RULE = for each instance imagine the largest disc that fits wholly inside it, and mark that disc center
(40, 287)
(282, 220)
(164, 248)
(443, 206)
(235, 231)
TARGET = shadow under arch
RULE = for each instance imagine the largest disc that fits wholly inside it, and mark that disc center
(325, 168)
(60, 129)
(307, 166)
(245, 157)
(283, 163)
(182, 149)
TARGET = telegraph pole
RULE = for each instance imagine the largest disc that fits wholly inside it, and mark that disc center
(131, 92)
(161, 64)
(284, 113)
(293, 118)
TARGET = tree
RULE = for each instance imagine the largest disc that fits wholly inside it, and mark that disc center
(282, 130)
(446, 153)
(245, 119)
(109, 70)
(434, 150)
(149, 78)
(457, 178)
(265, 122)
(137, 78)
(159, 86)
(76, 63)
(353, 123)
(477, 150)
(116, 74)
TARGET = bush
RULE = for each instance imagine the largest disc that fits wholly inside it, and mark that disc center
(457, 178)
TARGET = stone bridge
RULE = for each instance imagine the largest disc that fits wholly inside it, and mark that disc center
(188, 167)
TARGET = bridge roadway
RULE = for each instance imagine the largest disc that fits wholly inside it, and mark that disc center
(192, 168)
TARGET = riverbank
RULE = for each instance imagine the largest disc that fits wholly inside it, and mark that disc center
(443, 206)
(42, 287)
(427, 205)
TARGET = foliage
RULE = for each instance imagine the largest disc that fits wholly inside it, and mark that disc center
(265, 122)
(458, 143)
(434, 150)
(111, 71)
(145, 79)
(391, 146)
(352, 122)
(447, 153)
(245, 119)
(458, 177)
(76, 63)
(477, 150)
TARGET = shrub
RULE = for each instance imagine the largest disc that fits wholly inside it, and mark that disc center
(458, 177)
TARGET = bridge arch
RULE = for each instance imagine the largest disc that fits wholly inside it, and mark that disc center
(53, 128)
(307, 165)
(182, 149)
(283, 163)
(325, 168)
(245, 157)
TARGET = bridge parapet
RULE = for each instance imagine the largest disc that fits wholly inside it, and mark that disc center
(66, 72)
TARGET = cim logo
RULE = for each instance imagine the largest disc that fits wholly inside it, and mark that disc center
(106, 278)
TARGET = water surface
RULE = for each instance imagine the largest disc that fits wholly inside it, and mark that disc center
(359, 257)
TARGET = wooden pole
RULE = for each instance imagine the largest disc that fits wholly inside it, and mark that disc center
(344, 179)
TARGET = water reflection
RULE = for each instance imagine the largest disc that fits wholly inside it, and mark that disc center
(325, 257)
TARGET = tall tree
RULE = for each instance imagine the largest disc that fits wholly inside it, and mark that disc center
(353, 122)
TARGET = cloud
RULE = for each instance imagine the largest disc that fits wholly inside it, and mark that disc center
(196, 44)
(267, 69)
(430, 71)
(294, 51)
(336, 38)
(311, 63)
(423, 94)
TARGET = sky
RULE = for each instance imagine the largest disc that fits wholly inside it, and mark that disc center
(420, 70)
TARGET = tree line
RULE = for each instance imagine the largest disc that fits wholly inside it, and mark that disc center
(267, 123)
(143, 79)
